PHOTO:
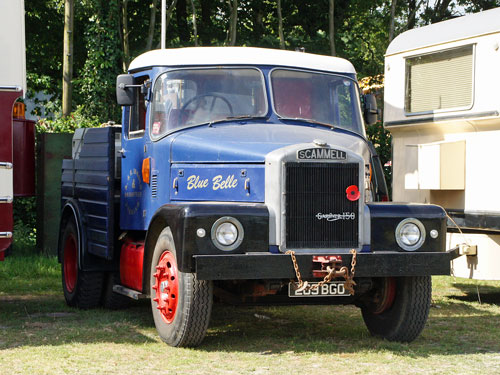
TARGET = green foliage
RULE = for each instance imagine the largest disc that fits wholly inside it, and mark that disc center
(24, 214)
(67, 124)
(361, 36)
(97, 86)
(44, 24)
(382, 141)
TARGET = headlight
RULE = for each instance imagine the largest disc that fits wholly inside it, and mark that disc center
(227, 233)
(410, 234)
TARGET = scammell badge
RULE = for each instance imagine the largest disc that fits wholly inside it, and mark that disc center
(321, 154)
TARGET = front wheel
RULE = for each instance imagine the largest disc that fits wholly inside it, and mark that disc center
(399, 308)
(181, 303)
(81, 289)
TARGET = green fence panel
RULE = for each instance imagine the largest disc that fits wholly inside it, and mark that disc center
(52, 148)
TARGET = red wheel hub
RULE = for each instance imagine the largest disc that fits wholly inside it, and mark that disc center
(166, 286)
(387, 295)
(70, 263)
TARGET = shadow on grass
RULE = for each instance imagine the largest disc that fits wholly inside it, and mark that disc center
(477, 293)
(47, 320)
(339, 329)
(454, 328)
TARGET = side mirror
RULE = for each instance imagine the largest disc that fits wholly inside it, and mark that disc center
(125, 89)
(371, 113)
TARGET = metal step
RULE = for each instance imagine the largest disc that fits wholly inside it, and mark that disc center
(5, 165)
(6, 199)
(134, 294)
(5, 234)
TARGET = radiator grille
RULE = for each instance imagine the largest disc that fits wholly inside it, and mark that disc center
(318, 214)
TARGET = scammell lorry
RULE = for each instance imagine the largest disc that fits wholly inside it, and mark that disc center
(243, 175)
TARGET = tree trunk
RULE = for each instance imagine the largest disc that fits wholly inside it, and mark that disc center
(69, 15)
(391, 26)
(331, 24)
(195, 28)
(233, 21)
(126, 46)
(280, 27)
(441, 11)
(152, 22)
(182, 26)
(412, 13)
(206, 22)
(258, 25)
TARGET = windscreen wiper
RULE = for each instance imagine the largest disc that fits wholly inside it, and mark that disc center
(232, 118)
(308, 120)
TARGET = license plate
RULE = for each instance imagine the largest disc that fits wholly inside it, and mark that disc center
(333, 289)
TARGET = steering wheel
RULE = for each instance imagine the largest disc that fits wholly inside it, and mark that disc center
(198, 98)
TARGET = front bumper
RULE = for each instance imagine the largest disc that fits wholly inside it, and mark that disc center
(280, 266)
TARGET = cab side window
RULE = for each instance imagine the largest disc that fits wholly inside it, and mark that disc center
(137, 119)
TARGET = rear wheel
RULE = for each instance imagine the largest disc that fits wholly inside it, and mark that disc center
(399, 308)
(81, 289)
(181, 304)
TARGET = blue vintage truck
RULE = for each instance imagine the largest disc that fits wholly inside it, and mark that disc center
(243, 175)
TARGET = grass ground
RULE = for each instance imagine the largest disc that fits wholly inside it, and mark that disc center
(39, 334)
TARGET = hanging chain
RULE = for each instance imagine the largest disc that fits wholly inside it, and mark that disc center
(332, 273)
(349, 280)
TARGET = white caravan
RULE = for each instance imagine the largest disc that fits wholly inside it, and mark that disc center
(442, 107)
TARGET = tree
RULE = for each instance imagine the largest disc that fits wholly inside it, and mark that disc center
(393, 14)
(233, 21)
(108, 34)
(195, 29)
(103, 61)
(182, 26)
(280, 26)
(152, 24)
(125, 32)
(331, 27)
(67, 87)
(206, 25)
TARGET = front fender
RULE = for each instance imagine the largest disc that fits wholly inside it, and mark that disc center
(184, 219)
(386, 216)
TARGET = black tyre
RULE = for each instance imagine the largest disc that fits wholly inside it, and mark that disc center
(110, 299)
(181, 304)
(81, 289)
(399, 308)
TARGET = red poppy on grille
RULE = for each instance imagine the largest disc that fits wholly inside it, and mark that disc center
(352, 193)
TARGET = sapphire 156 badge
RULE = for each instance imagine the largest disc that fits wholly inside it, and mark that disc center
(321, 154)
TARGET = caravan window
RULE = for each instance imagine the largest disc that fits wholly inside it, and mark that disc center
(440, 80)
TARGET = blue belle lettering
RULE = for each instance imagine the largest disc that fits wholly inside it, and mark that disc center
(229, 183)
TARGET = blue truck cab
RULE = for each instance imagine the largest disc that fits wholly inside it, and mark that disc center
(243, 175)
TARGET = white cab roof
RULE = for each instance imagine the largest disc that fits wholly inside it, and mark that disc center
(464, 27)
(206, 56)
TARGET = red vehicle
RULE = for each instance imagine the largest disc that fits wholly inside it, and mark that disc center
(13, 131)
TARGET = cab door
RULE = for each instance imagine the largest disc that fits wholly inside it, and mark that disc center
(134, 147)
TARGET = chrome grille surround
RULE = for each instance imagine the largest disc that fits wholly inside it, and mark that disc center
(276, 197)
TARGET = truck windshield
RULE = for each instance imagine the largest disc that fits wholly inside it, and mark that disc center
(196, 96)
(316, 97)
